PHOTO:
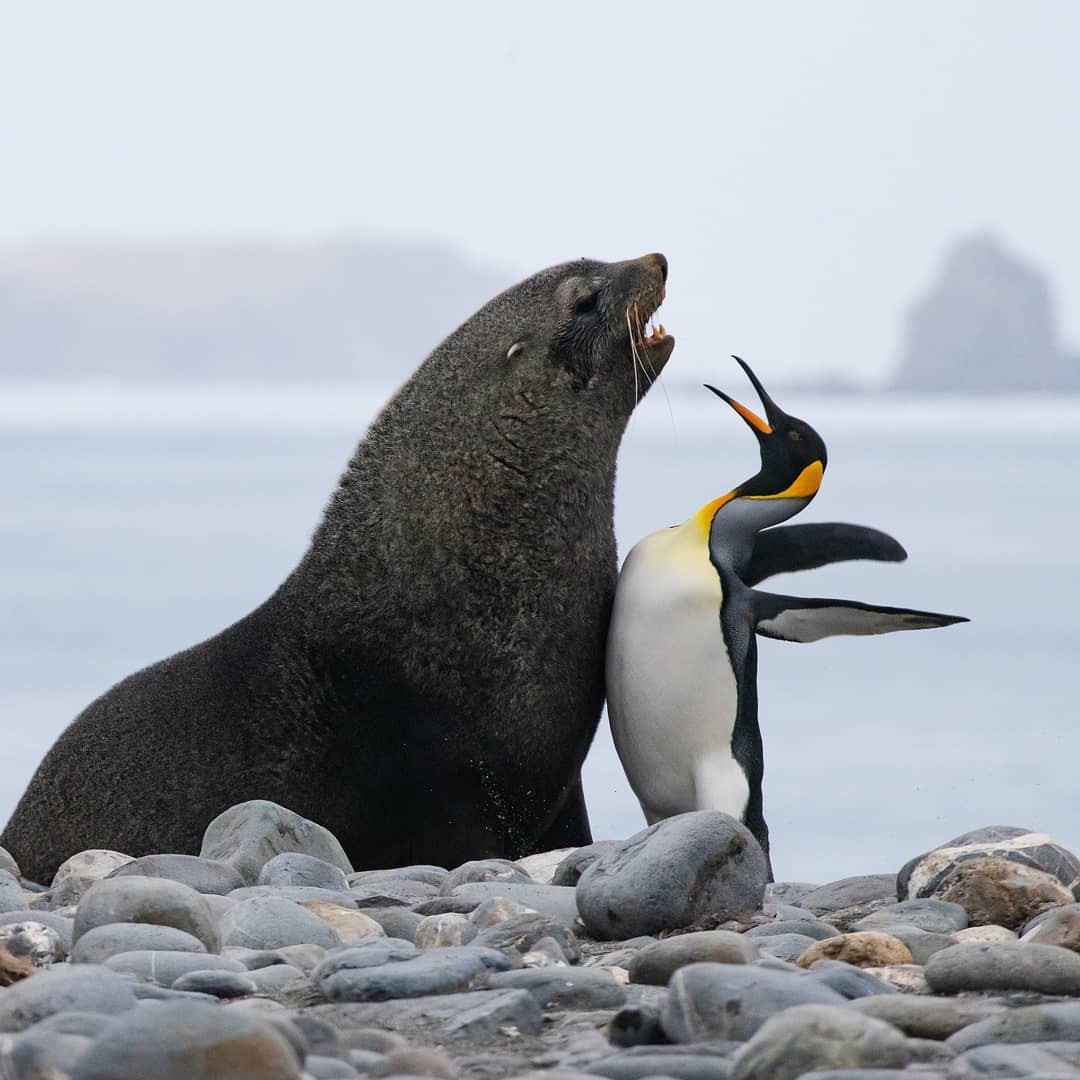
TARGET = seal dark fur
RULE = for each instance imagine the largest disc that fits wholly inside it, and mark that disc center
(426, 683)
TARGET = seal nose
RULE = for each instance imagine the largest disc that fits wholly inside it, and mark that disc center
(659, 261)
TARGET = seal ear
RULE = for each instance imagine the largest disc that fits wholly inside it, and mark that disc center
(515, 350)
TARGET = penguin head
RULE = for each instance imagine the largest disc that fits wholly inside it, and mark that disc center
(793, 455)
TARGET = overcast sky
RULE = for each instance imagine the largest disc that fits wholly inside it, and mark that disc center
(802, 164)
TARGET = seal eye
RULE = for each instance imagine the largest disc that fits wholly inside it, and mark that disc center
(586, 304)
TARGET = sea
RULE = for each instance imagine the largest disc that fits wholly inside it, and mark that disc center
(136, 520)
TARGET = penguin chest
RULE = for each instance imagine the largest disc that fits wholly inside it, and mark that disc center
(672, 690)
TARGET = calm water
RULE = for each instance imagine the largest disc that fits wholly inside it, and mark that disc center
(136, 522)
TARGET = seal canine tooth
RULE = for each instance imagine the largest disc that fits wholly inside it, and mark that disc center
(427, 681)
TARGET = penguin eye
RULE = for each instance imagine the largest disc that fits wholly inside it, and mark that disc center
(586, 304)
(794, 436)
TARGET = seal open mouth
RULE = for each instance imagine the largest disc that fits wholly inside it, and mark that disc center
(646, 331)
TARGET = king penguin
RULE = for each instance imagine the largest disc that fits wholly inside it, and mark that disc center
(682, 656)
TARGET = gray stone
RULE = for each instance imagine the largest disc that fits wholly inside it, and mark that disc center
(202, 875)
(98, 944)
(926, 1017)
(250, 834)
(397, 922)
(731, 1001)
(850, 892)
(853, 982)
(558, 902)
(436, 931)
(146, 900)
(328, 1068)
(497, 909)
(502, 871)
(1036, 1061)
(40, 1055)
(164, 968)
(370, 954)
(807, 1038)
(1007, 965)
(672, 874)
(576, 862)
(8, 863)
(786, 946)
(429, 875)
(89, 989)
(269, 922)
(933, 916)
(812, 928)
(789, 892)
(38, 943)
(677, 1066)
(319, 1037)
(443, 1018)
(545, 953)
(62, 925)
(78, 873)
(541, 867)
(521, 932)
(1058, 926)
(639, 1024)
(417, 1061)
(189, 1041)
(298, 894)
(444, 905)
(221, 984)
(1051, 1022)
(564, 987)
(11, 893)
(656, 963)
(398, 892)
(921, 944)
(434, 971)
(296, 868)
(72, 1022)
(273, 977)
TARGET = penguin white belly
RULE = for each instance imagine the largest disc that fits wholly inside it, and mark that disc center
(671, 690)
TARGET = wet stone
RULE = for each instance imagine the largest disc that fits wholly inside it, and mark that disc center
(98, 944)
(731, 1001)
(656, 963)
(545, 953)
(444, 905)
(1045, 969)
(564, 988)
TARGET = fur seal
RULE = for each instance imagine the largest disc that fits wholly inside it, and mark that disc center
(427, 681)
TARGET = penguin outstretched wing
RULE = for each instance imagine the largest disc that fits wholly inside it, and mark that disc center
(803, 619)
(788, 548)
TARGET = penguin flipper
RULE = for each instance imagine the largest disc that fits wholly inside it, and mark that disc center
(803, 619)
(787, 548)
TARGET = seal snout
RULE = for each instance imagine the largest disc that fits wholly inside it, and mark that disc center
(647, 294)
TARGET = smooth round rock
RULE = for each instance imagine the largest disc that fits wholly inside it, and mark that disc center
(36, 941)
(559, 902)
(40, 1055)
(436, 931)
(328, 1068)
(499, 870)
(495, 910)
(296, 868)
(351, 926)
(1051, 1022)
(146, 900)
(541, 867)
(429, 875)
(656, 963)
(564, 987)
(222, 984)
(985, 933)
(393, 892)
(850, 892)
(164, 968)
(189, 1041)
(62, 925)
(98, 944)
(269, 922)
(812, 928)
(849, 981)
(1036, 1061)
(933, 916)
(300, 894)
(8, 863)
(1044, 969)
(808, 1038)
(75, 875)
(577, 861)
(731, 1001)
(907, 978)
(787, 947)
(202, 875)
(60, 989)
(371, 954)
(863, 949)
(926, 1017)
(521, 933)
(672, 874)
(11, 892)
(250, 834)
(1060, 926)
(397, 922)
(273, 977)
(920, 943)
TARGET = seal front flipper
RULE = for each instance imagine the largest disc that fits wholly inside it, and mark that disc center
(786, 549)
(803, 619)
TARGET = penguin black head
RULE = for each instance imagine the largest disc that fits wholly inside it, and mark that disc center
(793, 455)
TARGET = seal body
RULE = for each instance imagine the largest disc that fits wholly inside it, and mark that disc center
(426, 683)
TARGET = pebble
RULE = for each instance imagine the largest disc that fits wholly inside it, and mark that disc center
(351, 926)
(202, 875)
(865, 949)
(399, 892)
(922, 944)
(222, 984)
(566, 988)
(146, 900)
(250, 834)
(636, 1025)
(576, 862)
(371, 954)
(269, 922)
(430, 875)
(435, 931)
(541, 867)
(98, 944)
(731, 1001)
(11, 893)
(397, 922)
(8, 863)
(444, 905)
(189, 1041)
(850, 892)
(907, 978)
(1038, 1061)
(558, 902)
(927, 1017)
(850, 981)
(296, 868)
(495, 910)
(1044, 969)
(62, 988)
(808, 1038)
(673, 873)
(1060, 927)
(1051, 1022)
(786, 946)
(38, 1055)
(812, 928)
(62, 925)
(656, 963)
(417, 1061)
(985, 933)
(299, 894)
(77, 874)
(273, 977)
(37, 942)
(500, 870)
(164, 968)
(521, 932)
(327, 1068)
(933, 916)
(545, 953)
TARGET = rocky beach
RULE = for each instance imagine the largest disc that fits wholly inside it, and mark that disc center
(665, 955)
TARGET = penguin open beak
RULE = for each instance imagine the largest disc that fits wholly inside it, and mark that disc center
(772, 410)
